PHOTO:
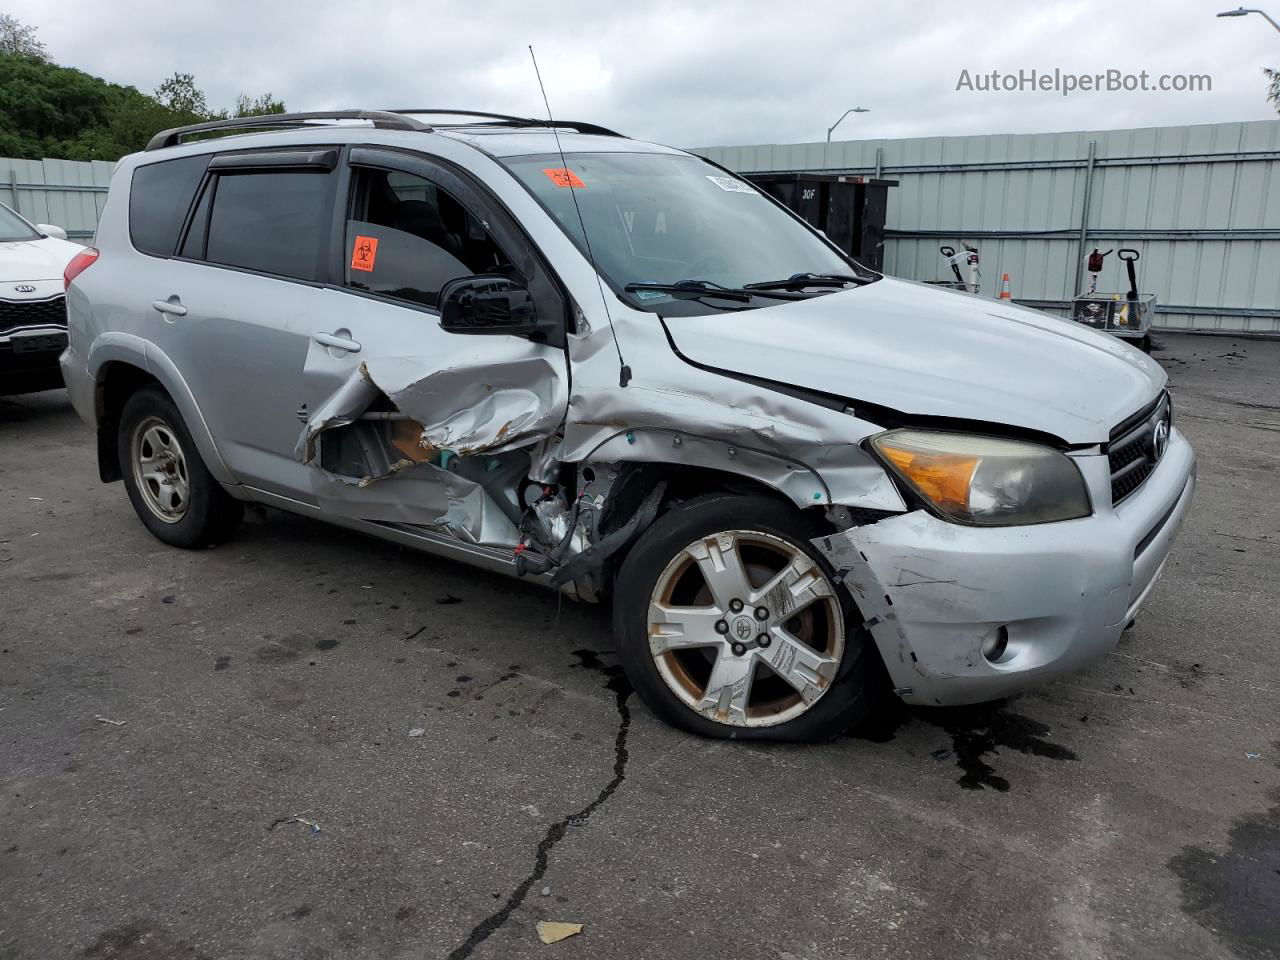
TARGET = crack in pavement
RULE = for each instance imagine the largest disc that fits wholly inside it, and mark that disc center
(590, 660)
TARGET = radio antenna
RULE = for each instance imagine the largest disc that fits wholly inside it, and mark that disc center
(624, 371)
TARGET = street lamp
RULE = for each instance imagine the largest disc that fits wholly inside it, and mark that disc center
(832, 128)
(1242, 12)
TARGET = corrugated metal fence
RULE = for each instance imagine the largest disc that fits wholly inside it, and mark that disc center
(67, 193)
(1201, 204)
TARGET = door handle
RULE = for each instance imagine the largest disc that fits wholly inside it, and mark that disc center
(171, 306)
(336, 342)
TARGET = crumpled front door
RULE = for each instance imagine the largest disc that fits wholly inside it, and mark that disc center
(406, 423)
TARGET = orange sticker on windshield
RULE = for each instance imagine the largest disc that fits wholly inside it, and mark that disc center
(564, 177)
(363, 253)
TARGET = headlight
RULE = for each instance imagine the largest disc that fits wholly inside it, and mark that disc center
(985, 480)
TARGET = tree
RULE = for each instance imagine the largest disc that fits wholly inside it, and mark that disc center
(1273, 91)
(256, 107)
(48, 110)
(17, 38)
(181, 95)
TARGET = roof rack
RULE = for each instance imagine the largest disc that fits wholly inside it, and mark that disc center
(502, 119)
(379, 118)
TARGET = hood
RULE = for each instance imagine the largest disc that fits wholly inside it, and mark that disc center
(934, 353)
(44, 259)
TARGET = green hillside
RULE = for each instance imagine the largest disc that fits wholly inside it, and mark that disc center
(48, 110)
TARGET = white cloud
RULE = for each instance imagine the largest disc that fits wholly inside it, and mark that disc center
(715, 72)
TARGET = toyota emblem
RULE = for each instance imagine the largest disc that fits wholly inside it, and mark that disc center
(1159, 439)
(25, 288)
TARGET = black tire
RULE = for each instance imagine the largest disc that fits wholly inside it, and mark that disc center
(210, 515)
(1144, 344)
(860, 678)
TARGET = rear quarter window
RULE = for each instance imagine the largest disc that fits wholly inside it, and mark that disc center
(159, 196)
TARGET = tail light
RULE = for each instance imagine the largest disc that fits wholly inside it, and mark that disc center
(78, 265)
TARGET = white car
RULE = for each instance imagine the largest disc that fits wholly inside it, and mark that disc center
(33, 309)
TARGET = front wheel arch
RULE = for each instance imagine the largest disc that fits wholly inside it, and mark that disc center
(859, 680)
(684, 482)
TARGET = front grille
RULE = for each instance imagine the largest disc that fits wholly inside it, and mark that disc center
(33, 313)
(1132, 450)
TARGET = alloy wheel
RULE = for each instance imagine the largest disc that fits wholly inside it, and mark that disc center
(745, 628)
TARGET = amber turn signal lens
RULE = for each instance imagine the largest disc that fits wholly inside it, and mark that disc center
(942, 477)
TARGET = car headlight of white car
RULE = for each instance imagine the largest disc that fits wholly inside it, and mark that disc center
(985, 481)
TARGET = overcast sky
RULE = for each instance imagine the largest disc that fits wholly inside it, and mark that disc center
(690, 74)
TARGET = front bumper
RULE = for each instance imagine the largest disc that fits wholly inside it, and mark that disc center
(932, 592)
(29, 359)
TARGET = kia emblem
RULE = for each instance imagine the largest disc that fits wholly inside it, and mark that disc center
(25, 288)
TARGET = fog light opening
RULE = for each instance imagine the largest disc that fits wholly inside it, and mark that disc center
(995, 644)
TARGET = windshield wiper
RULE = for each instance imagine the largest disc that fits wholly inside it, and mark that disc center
(696, 289)
(798, 281)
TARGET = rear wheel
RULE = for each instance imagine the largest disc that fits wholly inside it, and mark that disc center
(171, 489)
(730, 625)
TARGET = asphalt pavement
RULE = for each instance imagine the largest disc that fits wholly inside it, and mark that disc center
(308, 744)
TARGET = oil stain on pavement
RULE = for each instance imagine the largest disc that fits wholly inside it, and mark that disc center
(981, 730)
(1236, 893)
(977, 732)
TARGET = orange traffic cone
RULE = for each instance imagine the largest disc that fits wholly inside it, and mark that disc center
(1004, 288)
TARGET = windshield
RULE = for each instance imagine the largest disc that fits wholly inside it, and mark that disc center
(13, 227)
(656, 218)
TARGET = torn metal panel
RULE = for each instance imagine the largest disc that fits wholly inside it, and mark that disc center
(475, 407)
(544, 460)
(465, 409)
(342, 407)
(430, 440)
(426, 496)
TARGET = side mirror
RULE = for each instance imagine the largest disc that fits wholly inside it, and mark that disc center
(487, 304)
(49, 230)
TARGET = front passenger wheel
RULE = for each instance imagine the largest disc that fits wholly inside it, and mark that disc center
(730, 624)
(171, 489)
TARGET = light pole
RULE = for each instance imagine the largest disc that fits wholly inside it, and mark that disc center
(832, 128)
(1242, 12)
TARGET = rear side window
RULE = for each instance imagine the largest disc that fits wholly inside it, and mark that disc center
(271, 222)
(159, 197)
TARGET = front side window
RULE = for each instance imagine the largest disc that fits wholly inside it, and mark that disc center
(272, 222)
(13, 227)
(665, 218)
(159, 197)
(407, 237)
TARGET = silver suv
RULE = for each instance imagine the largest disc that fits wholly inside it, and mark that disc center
(621, 371)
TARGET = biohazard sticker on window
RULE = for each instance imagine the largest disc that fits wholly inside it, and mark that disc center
(364, 252)
(731, 185)
(564, 177)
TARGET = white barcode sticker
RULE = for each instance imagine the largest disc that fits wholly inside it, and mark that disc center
(731, 185)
